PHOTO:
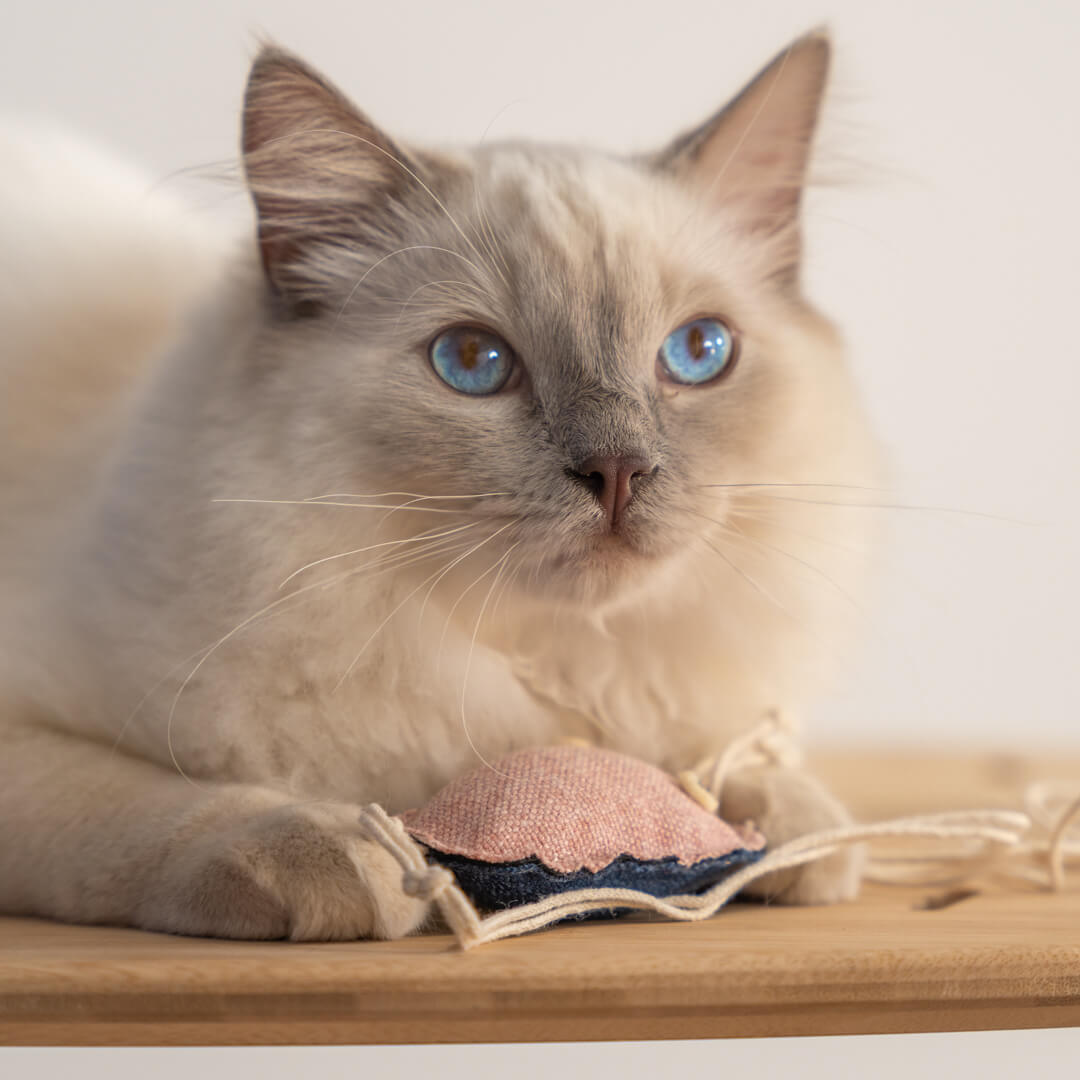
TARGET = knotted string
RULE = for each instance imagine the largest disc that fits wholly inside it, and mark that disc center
(421, 879)
(767, 743)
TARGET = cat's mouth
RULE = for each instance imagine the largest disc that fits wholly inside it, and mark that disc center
(598, 565)
(618, 544)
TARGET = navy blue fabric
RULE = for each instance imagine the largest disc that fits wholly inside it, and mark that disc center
(492, 886)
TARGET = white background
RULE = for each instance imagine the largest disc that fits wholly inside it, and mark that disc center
(951, 260)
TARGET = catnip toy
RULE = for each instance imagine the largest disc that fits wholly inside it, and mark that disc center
(561, 832)
(562, 818)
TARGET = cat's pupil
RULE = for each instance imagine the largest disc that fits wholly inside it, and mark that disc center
(470, 352)
(696, 342)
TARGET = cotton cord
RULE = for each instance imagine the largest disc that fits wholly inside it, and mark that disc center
(419, 878)
(1056, 813)
(1052, 838)
(767, 743)
(1033, 847)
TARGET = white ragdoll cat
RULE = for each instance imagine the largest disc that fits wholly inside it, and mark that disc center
(470, 451)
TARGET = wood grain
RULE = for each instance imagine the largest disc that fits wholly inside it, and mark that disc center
(997, 959)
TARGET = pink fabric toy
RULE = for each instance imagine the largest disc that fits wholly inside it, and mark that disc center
(560, 818)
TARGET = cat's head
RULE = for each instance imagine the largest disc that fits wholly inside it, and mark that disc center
(585, 358)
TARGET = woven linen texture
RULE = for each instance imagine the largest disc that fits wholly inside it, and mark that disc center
(573, 808)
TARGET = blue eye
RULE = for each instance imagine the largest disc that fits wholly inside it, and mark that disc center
(698, 351)
(472, 360)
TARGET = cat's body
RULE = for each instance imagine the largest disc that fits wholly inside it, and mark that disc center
(189, 726)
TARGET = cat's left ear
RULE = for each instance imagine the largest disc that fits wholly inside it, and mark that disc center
(752, 156)
(320, 172)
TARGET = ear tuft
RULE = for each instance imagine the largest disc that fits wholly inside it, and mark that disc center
(316, 167)
(752, 156)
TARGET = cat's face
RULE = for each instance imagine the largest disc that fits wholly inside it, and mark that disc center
(569, 351)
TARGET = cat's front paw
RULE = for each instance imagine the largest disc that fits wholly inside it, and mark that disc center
(304, 872)
(787, 803)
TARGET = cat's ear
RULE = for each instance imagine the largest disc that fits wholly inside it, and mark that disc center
(752, 156)
(318, 169)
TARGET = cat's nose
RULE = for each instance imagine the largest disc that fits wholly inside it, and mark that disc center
(611, 478)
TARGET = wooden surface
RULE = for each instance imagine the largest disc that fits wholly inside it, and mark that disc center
(884, 964)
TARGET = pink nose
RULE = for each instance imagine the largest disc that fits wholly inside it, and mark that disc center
(610, 477)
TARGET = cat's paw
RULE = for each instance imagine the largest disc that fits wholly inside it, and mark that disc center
(305, 872)
(786, 803)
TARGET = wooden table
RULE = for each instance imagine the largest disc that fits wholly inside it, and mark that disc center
(999, 959)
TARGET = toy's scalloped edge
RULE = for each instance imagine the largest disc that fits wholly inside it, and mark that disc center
(496, 886)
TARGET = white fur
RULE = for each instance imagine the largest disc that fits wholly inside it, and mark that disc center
(96, 269)
(188, 776)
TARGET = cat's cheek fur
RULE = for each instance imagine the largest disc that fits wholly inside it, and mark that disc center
(269, 869)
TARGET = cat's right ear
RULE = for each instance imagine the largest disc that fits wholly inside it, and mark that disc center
(318, 170)
(751, 158)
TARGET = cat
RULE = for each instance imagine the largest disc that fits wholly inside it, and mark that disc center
(463, 451)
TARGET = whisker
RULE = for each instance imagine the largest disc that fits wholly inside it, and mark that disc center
(896, 506)
(733, 530)
(438, 202)
(395, 562)
(798, 484)
(355, 506)
(206, 656)
(435, 584)
(508, 583)
(464, 593)
(754, 117)
(405, 168)
(130, 719)
(757, 586)
(776, 520)
(483, 224)
(390, 255)
(487, 237)
(431, 284)
(208, 651)
(378, 629)
(372, 547)
(390, 513)
(419, 498)
(501, 564)
(406, 494)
